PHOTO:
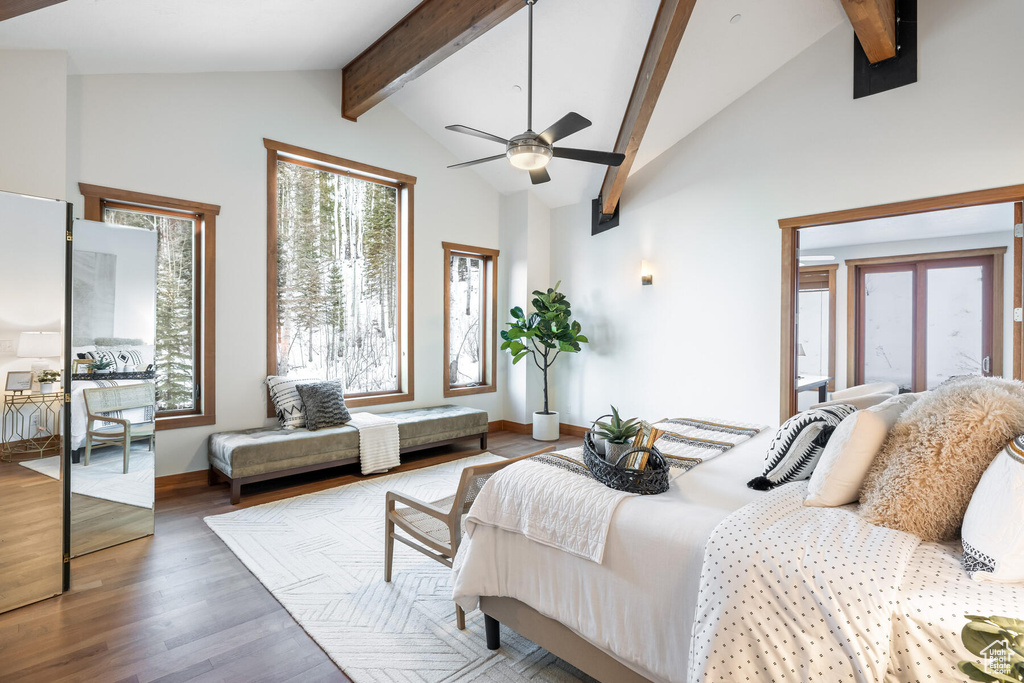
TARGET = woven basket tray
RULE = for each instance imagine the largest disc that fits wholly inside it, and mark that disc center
(651, 480)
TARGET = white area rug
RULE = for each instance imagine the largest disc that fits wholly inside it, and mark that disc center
(322, 556)
(104, 477)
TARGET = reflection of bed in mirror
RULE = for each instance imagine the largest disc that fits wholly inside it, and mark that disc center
(113, 325)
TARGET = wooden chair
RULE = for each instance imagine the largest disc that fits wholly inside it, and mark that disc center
(436, 528)
(102, 401)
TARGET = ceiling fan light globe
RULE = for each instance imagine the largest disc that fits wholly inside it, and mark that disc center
(529, 157)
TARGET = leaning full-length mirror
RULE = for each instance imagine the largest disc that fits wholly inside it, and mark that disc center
(32, 291)
(113, 393)
(902, 303)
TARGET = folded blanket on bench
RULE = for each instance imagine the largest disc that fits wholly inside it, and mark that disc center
(378, 442)
(553, 499)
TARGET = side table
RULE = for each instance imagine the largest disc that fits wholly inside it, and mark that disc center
(31, 425)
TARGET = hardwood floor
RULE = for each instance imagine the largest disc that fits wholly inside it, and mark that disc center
(30, 537)
(178, 605)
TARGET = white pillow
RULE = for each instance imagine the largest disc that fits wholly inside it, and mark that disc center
(848, 455)
(287, 402)
(993, 535)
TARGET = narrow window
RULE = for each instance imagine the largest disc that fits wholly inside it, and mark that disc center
(470, 304)
(185, 344)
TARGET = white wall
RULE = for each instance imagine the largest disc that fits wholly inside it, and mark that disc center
(135, 281)
(705, 337)
(33, 122)
(200, 137)
(976, 241)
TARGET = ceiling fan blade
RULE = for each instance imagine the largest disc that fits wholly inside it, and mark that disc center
(589, 155)
(539, 176)
(477, 161)
(476, 133)
(564, 127)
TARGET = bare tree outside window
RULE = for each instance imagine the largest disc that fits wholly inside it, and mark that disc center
(466, 310)
(337, 278)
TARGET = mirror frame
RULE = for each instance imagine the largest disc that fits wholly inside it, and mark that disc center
(790, 268)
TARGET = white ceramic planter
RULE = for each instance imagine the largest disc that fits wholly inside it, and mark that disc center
(545, 427)
(46, 388)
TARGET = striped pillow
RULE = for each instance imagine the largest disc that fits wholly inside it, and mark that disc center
(798, 445)
(287, 402)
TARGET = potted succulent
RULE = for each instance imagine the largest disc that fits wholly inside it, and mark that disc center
(546, 333)
(101, 366)
(618, 435)
(46, 379)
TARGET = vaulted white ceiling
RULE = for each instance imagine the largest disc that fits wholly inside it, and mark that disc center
(587, 55)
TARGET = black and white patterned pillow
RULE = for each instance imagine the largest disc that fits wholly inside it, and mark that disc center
(324, 404)
(798, 445)
(128, 360)
(287, 402)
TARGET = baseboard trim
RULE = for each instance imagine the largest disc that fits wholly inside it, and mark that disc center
(520, 428)
(182, 479)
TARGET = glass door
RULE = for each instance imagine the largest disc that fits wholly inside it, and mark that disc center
(921, 322)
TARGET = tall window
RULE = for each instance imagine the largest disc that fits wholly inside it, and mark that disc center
(338, 235)
(185, 281)
(922, 319)
(816, 322)
(470, 305)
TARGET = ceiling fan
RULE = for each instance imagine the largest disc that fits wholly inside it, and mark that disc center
(531, 151)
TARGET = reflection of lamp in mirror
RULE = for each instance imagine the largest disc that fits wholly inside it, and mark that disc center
(800, 353)
(39, 345)
(646, 276)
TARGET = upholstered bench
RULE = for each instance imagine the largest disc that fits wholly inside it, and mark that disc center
(251, 455)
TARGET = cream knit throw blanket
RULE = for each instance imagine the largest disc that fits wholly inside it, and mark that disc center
(378, 442)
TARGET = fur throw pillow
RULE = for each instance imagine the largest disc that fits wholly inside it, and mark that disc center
(923, 479)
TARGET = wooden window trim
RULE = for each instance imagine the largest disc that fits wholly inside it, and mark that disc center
(490, 258)
(96, 199)
(830, 270)
(790, 228)
(990, 260)
(405, 184)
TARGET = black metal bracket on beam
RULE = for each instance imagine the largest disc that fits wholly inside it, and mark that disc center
(871, 79)
(600, 222)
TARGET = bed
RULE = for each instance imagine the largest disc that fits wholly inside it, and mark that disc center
(630, 617)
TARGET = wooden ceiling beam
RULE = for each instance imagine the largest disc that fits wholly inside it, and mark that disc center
(874, 22)
(669, 26)
(432, 32)
(14, 8)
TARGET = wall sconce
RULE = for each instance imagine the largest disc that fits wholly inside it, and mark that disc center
(646, 276)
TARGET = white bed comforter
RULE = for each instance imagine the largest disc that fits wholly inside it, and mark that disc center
(638, 603)
(548, 505)
(795, 593)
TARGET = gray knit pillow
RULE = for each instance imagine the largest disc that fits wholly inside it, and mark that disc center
(324, 404)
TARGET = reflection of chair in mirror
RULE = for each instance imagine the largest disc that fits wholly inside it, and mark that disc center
(100, 406)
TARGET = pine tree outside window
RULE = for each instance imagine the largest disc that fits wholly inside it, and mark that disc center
(340, 236)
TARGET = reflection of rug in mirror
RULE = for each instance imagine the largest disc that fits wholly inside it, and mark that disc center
(104, 477)
(322, 556)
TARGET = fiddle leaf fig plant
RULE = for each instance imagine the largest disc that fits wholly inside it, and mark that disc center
(999, 641)
(547, 332)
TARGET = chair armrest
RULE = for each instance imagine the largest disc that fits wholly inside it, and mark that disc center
(417, 504)
(100, 418)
